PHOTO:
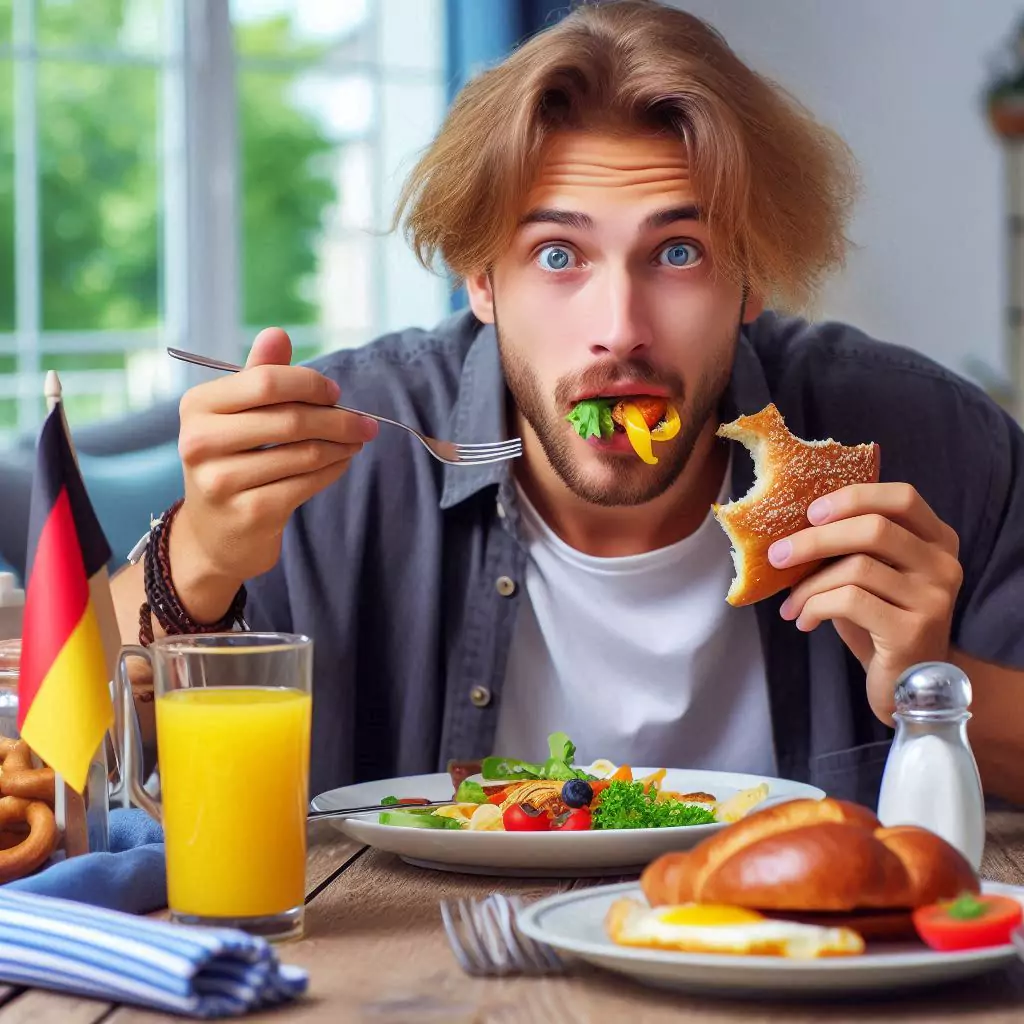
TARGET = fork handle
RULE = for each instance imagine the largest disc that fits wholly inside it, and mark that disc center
(219, 364)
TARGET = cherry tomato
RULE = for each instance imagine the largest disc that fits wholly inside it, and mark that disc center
(578, 821)
(968, 922)
(517, 819)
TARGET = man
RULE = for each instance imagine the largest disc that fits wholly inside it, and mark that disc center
(622, 198)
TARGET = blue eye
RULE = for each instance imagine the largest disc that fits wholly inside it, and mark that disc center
(680, 254)
(554, 258)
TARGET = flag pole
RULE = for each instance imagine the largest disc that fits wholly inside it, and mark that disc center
(103, 602)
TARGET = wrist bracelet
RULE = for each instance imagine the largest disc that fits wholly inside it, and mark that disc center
(162, 600)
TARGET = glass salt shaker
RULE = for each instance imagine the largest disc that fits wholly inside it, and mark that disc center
(931, 778)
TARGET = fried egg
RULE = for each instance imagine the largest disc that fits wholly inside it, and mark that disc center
(716, 928)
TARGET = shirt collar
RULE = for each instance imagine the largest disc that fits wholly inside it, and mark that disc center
(480, 414)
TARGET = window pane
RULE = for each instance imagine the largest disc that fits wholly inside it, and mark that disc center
(301, 28)
(136, 26)
(6, 7)
(6, 196)
(290, 169)
(98, 196)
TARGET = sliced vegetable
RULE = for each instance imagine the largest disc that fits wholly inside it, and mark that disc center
(639, 433)
(579, 820)
(410, 818)
(524, 818)
(622, 774)
(668, 427)
(592, 418)
(470, 792)
(486, 818)
(971, 921)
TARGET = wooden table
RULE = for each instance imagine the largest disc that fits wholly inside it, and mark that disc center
(377, 953)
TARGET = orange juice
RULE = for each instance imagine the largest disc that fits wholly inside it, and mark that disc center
(234, 765)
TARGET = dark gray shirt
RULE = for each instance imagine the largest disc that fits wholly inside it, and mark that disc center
(407, 573)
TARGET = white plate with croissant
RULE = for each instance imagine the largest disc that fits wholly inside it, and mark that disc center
(804, 898)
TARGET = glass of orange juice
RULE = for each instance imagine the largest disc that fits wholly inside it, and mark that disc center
(233, 718)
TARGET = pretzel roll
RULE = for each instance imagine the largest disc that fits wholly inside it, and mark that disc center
(789, 473)
(812, 856)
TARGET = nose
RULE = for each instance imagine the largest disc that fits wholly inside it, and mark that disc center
(621, 329)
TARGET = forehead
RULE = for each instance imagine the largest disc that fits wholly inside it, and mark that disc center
(583, 168)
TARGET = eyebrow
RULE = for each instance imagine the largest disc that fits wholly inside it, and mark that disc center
(584, 222)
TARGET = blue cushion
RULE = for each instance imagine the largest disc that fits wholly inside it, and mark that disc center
(127, 488)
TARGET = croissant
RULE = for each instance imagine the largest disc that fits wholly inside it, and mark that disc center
(790, 473)
(812, 856)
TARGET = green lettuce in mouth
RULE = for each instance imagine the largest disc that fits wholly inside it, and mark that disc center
(593, 418)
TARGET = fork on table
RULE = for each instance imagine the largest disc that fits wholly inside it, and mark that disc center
(448, 452)
(486, 942)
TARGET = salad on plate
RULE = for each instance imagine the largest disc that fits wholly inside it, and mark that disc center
(501, 794)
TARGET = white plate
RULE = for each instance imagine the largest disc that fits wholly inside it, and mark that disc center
(573, 923)
(538, 854)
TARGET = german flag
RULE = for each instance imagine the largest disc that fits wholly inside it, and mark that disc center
(64, 705)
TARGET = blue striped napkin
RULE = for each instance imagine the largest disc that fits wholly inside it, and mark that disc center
(90, 951)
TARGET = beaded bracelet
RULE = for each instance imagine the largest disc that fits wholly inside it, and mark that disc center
(162, 599)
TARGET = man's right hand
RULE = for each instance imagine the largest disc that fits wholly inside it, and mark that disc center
(254, 446)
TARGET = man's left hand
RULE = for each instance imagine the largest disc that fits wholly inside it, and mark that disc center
(890, 587)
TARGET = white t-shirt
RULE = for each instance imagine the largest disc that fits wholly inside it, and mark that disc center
(638, 658)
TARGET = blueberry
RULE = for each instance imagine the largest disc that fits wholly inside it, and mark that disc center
(577, 793)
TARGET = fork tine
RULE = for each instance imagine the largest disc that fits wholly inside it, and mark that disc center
(477, 953)
(512, 442)
(455, 939)
(484, 460)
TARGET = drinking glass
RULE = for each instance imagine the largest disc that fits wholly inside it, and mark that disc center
(233, 718)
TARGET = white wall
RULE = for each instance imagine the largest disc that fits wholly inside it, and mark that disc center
(902, 81)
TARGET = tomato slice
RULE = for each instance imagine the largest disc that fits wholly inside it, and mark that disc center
(578, 821)
(516, 819)
(971, 921)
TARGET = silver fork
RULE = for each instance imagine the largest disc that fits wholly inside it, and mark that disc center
(448, 452)
(486, 942)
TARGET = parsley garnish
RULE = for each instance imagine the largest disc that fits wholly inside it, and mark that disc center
(593, 418)
(626, 805)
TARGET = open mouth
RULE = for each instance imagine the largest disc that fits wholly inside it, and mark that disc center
(642, 418)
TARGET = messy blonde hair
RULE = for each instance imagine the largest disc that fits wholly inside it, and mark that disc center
(774, 186)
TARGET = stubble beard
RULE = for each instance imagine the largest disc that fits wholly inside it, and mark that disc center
(612, 478)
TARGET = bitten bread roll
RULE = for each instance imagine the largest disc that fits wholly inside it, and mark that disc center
(789, 474)
(812, 856)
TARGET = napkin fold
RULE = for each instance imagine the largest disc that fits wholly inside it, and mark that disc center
(130, 878)
(206, 973)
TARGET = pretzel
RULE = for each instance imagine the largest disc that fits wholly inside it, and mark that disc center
(34, 850)
(19, 778)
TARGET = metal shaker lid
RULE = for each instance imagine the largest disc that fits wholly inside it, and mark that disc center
(931, 688)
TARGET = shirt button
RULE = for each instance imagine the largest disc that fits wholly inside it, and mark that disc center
(480, 696)
(501, 510)
(505, 586)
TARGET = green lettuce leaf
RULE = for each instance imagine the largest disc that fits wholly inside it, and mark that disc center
(593, 418)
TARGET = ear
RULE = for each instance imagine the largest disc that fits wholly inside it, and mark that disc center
(481, 297)
(753, 306)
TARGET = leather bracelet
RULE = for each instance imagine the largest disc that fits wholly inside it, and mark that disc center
(162, 600)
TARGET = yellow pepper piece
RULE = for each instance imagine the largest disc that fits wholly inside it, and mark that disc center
(668, 428)
(638, 433)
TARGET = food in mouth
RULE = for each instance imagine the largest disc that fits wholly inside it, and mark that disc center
(642, 418)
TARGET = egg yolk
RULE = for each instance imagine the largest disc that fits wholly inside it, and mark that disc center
(705, 915)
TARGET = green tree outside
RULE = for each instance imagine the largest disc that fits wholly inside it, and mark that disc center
(99, 186)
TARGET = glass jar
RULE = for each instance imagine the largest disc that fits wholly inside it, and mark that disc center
(82, 819)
